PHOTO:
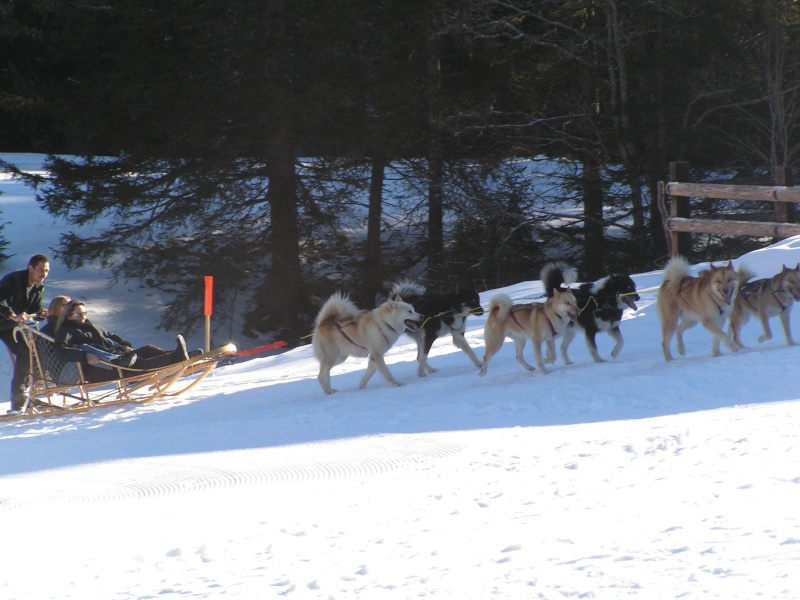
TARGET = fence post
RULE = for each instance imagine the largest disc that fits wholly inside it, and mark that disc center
(784, 211)
(679, 207)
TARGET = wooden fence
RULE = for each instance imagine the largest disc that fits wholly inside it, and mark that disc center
(679, 225)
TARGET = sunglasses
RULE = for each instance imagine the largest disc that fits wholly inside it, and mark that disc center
(79, 314)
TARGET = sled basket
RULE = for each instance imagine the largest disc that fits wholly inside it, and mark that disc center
(58, 387)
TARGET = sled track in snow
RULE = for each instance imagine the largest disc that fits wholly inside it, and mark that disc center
(157, 477)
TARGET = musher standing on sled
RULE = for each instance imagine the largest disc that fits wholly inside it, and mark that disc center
(21, 298)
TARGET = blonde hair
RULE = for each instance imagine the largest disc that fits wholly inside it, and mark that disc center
(67, 310)
(57, 305)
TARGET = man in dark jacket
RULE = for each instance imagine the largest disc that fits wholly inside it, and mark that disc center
(21, 299)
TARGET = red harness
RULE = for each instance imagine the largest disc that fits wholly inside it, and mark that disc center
(549, 322)
(347, 337)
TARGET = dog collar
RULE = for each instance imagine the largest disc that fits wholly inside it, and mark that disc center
(553, 331)
(680, 295)
(778, 300)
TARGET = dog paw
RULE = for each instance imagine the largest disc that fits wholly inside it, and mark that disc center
(764, 338)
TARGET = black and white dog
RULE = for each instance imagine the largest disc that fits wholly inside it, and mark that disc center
(600, 306)
(444, 313)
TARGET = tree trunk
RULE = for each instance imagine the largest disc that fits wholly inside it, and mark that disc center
(372, 252)
(435, 158)
(594, 250)
(286, 280)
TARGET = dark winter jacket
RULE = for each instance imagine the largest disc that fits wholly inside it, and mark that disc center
(17, 297)
(49, 328)
(73, 334)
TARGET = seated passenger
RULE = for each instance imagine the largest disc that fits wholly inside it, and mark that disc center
(53, 312)
(77, 339)
(56, 370)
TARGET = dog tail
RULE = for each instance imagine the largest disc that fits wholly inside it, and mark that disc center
(338, 307)
(557, 275)
(743, 275)
(675, 271)
(406, 288)
(500, 307)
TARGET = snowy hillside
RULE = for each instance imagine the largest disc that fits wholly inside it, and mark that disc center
(634, 478)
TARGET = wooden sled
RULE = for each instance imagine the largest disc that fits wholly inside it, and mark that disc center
(59, 388)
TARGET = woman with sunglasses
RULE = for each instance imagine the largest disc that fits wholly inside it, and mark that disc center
(77, 339)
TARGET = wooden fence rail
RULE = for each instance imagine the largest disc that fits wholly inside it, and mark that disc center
(679, 225)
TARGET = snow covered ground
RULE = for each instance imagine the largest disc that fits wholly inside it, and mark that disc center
(628, 479)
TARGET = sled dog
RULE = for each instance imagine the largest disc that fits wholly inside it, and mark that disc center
(600, 307)
(537, 321)
(342, 329)
(683, 301)
(443, 313)
(764, 299)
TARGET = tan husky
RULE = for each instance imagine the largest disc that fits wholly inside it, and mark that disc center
(683, 301)
(538, 321)
(343, 330)
(765, 298)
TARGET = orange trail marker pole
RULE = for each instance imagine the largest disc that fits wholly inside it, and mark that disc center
(208, 308)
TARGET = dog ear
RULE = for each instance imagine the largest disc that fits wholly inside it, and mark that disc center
(397, 298)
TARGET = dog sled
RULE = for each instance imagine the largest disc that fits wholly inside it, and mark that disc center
(60, 388)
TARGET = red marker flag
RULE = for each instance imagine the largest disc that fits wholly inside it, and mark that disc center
(209, 308)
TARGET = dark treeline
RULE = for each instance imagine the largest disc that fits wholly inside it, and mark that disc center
(292, 148)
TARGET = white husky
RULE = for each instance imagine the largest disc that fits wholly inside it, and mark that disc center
(342, 330)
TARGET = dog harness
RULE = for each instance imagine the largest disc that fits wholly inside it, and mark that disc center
(347, 337)
(778, 300)
(680, 295)
(553, 331)
(513, 318)
(754, 287)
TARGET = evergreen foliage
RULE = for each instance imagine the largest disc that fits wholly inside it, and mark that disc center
(291, 149)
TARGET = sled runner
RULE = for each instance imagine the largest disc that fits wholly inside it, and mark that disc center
(58, 387)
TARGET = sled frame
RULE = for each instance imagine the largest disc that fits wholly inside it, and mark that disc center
(48, 397)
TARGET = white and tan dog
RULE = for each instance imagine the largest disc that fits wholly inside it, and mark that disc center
(684, 301)
(539, 322)
(765, 298)
(342, 330)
